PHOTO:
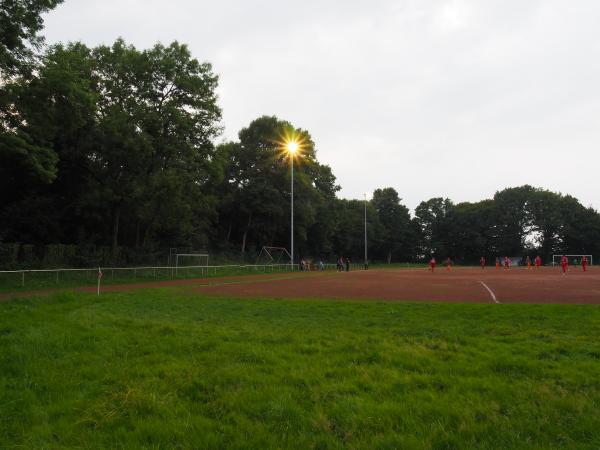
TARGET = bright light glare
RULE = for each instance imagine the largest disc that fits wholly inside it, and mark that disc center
(292, 147)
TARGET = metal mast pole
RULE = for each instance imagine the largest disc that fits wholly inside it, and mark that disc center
(366, 260)
(292, 214)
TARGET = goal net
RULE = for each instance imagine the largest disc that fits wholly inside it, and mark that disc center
(184, 260)
(273, 256)
(514, 261)
(574, 260)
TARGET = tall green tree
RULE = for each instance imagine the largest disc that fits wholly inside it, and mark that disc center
(257, 181)
(20, 24)
(395, 219)
(513, 219)
(55, 113)
(133, 132)
(158, 115)
(470, 228)
(431, 217)
(348, 239)
(547, 222)
(580, 231)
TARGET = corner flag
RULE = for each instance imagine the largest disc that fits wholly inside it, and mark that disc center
(99, 279)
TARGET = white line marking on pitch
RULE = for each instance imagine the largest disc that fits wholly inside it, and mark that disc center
(490, 291)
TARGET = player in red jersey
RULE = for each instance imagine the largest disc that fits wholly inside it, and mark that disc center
(564, 263)
(506, 262)
(497, 263)
(584, 263)
(538, 262)
(432, 264)
(482, 262)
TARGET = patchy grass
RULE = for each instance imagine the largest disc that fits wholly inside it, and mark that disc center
(33, 281)
(164, 369)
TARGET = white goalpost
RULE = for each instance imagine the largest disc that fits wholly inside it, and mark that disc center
(574, 260)
(274, 256)
(201, 257)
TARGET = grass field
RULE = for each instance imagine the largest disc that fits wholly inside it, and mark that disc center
(165, 369)
(13, 282)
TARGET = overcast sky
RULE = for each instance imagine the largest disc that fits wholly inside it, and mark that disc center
(450, 98)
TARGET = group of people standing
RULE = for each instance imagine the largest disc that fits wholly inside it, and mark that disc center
(433, 264)
(343, 264)
(305, 265)
(564, 263)
(507, 262)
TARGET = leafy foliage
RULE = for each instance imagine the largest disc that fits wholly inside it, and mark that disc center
(114, 147)
(20, 23)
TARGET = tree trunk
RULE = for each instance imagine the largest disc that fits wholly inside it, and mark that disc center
(147, 232)
(246, 234)
(137, 235)
(115, 231)
(229, 232)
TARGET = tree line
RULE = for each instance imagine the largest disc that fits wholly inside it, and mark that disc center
(115, 146)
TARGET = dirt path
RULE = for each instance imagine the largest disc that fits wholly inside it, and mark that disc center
(460, 285)
(491, 286)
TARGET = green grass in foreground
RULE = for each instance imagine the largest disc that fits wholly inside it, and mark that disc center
(162, 369)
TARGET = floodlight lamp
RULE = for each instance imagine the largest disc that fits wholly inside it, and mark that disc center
(292, 147)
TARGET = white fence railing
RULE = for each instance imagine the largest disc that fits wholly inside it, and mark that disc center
(49, 277)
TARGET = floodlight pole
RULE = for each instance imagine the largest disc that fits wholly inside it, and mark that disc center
(366, 259)
(292, 214)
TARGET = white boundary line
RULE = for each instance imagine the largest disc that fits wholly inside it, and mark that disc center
(491, 292)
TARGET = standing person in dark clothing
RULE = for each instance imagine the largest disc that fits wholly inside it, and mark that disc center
(347, 264)
(448, 264)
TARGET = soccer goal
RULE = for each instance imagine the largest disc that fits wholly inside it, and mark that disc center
(273, 256)
(190, 260)
(574, 260)
(515, 261)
